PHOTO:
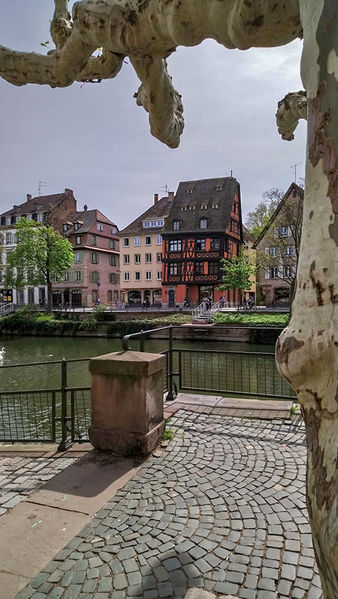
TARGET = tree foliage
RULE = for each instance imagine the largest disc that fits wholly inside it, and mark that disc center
(237, 273)
(40, 256)
(259, 217)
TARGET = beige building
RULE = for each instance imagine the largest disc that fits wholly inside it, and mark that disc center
(141, 255)
(250, 253)
(278, 247)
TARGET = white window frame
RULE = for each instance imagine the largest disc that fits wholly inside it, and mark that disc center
(149, 275)
(158, 239)
(137, 241)
(126, 276)
(145, 241)
(148, 258)
(126, 258)
(159, 275)
(137, 275)
(126, 242)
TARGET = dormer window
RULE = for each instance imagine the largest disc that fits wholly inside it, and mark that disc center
(203, 223)
(65, 227)
(176, 225)
(189, 190)
(204, 206)
(215, 206)
(76, 226)
(219, 187)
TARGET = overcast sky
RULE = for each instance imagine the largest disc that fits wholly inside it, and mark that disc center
(95, 140)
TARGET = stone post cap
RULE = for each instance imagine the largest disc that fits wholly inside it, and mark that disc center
(131, 363)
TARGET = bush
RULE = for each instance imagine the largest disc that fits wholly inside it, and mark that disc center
(23, 323)
(126, 327)
(252, 319)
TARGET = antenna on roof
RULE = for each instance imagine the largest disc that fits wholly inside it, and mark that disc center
(41, 185)
(294, 166)
(231, 174)
(165, 188)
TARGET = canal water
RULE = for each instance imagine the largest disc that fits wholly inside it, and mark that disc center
(24, 350)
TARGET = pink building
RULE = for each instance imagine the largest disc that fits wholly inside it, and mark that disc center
(95, 275)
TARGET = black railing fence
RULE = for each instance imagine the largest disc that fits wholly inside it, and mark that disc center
(59, 413)
(53, 407)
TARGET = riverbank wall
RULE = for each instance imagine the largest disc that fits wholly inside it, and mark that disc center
(185, 332)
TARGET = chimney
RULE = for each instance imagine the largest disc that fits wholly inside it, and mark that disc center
(171, 195)
(85, 207)
(68, 192)
(155, 198)
(29, 197)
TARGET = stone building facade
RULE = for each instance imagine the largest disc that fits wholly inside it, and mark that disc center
(52, 209)
(277, 249)
(95, 275)
(141, 255)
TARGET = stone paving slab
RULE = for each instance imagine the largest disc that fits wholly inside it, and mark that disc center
(221, 508)
(20, 476)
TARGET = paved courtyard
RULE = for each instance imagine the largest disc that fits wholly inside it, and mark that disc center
(221, 508)
(20, 476)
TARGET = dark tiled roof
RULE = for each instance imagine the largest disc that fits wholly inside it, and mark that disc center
(205, 198)
(35, 204)
(158, 210)
(89, 218)
(294, 189)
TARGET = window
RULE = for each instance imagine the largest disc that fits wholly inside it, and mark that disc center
(158, 239)
(152, 223)
(173, 268)
(78, 240)
(9, 238)
(289, 250)
(213, 268)
(114, 278)
(94, 258)
(92, 239)
(76, 226)
(95, 295)
(273, 251)
(137, 275)
(13, 220)
(148, 275)
(1, 276)
(78, 275)
(78, 256)
(284, 231)
(200, 245)
(148, 240)
(109, 296)
(274, 272)
(214, 244)
(137, 241)
(65, 227)
(126, 276)
(199, 268)
(219, 187)
(94, 276)
(126, 242)
(288, 271)
(66, 277)
(137, 258)
(113, 244)
(159, 275)
(114, 260)
(113, 230)
(3, 221)
(99, 226)
(176, 225)
(215, 206)
(148, 258)
(35, 216)
(234, 227)
(175, 245)
(203, 223)
(159, 257)
(126, 259)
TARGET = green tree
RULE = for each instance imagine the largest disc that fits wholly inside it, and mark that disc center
(258, 218)
(237, 273)
(40, 256)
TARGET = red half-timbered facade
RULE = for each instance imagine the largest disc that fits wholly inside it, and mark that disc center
(204, 225)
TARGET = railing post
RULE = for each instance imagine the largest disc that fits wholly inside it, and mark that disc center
(62, 444)
(142, 342)
(171, 392)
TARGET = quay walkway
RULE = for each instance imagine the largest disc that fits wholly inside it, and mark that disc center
(220, 507)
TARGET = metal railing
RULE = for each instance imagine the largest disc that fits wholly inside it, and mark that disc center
(249, 374)
(7, 309)
(59, 414)
(204, 313)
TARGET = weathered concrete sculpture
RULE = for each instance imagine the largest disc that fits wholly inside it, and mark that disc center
(148, 31)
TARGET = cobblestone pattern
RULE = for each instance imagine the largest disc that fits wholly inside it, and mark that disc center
(21, 476)
(221, 508)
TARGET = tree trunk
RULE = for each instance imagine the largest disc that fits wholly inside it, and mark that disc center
(307, 351)
(49, 296)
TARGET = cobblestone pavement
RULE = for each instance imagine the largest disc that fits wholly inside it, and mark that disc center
(221, 508)
(21, 476)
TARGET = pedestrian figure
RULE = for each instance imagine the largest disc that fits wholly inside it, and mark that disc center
(222, 301)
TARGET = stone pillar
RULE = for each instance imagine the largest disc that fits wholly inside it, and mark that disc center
(127, 402)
